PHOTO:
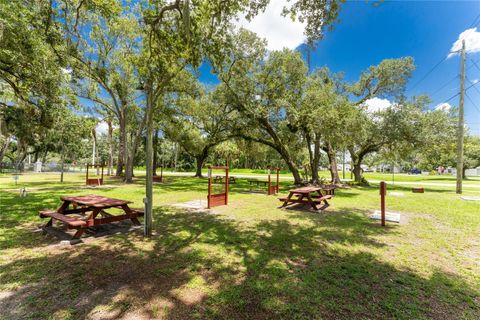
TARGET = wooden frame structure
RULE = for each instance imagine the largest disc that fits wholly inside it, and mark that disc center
(95, 181)
(273, 189)
(219, 199)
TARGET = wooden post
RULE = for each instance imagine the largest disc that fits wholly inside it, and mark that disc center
(101, 180)
(278, 180)
(269, 183)
(383, 192)
(226, 182)
(209, 186)
(86, 179)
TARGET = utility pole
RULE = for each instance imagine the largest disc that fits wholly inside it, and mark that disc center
(148, 200)
(460, 129)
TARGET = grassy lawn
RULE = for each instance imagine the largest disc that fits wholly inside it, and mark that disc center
(247, 260)
(375, 176)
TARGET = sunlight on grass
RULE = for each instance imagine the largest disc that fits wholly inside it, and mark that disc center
(247, 258)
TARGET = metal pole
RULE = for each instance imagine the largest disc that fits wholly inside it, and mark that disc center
(383, 191)
(460, 127)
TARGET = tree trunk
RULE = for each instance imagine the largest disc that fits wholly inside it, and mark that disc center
(21, 155)
(4, 147)
(122, 148)
(44, 157)
(110, 147)
(332, 159)
(316, 162)
(132, 151)
(35, 156)
(62, 166)
(294, 170)
(311, 159)
(128, 177)
(175, 149)
(464, 176)
(155, 151)
(95, 150)
(356, 164)
(200, 159)
(357, 172)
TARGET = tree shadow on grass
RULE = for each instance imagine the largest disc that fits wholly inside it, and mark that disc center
(205, 266)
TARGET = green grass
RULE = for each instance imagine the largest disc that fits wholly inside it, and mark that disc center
(388, 177)
(247, 260)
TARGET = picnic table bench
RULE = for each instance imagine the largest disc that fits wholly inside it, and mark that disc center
(85, 211)
(307, 195)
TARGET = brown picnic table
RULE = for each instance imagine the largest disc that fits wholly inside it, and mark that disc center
(221, 179)
(313, 196)
(88, 211)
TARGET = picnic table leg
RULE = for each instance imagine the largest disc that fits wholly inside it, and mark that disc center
(78, 234)
(285, 203)
(310, 201)
(49, 223)
(127, 210)
(64, 206)
(324, 200)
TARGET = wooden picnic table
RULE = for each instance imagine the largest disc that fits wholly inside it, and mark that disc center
(220, 179)
(85, 212)
(257, 182)
(307, 195)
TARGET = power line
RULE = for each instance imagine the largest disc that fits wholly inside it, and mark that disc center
(458, 93)
(475, 23)
(476, 89)
(475, 64)
(473, 103)
(446, 84)
(428, 73)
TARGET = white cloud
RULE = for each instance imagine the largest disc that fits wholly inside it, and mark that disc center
(472, 42)
(101, 128)
(445, 106)
(280, 32)
(66, 70)
(376, 104)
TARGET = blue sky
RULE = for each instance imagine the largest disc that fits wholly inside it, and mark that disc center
(367, 34)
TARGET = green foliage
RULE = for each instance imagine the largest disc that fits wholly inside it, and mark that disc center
(471, 152)
(30, 52)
